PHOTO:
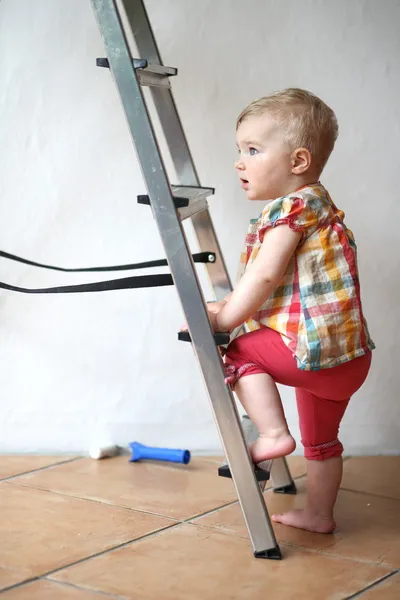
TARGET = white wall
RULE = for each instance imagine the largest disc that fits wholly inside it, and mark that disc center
(74, 366)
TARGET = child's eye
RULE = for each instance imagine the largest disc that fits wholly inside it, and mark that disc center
(253, 151)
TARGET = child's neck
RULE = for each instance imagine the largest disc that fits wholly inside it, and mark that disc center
(300, 182)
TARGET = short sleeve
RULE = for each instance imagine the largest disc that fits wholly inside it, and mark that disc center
(288, 210)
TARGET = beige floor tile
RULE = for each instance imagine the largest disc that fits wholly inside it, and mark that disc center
(15, 465)
(41, 531)
(387, 590)
(168, 489)
(51, 590)
(374, 475)
(191, 562)
(368, 526)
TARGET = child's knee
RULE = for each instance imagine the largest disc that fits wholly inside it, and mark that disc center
(237, 362)
(323, 451)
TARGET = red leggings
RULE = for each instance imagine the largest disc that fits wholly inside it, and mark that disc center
(322, 396)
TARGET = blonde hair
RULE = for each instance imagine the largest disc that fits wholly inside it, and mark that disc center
(306, 121)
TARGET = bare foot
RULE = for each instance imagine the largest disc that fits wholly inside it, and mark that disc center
(303, 520)
(274, 445)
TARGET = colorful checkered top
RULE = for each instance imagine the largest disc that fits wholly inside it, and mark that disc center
(317, 306)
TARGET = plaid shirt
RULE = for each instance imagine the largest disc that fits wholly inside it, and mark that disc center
(317, 306)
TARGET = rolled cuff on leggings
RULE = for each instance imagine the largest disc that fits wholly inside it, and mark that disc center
(232, 373)
(323, 451)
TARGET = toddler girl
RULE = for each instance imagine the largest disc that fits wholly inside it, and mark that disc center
(299, 295)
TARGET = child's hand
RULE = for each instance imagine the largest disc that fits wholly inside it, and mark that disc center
(213, 309)
(183, 327)
(213, 320)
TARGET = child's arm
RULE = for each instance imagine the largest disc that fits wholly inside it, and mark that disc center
(260, 278)
(217, 305)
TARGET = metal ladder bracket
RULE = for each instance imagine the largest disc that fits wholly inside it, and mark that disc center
(189, 200)
(150, 74)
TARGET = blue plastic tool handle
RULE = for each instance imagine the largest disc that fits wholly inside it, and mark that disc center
(139, 452)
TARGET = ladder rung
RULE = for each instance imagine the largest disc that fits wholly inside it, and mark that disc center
(221, 338)
(148, 73)
(189, 200)
(260, 474)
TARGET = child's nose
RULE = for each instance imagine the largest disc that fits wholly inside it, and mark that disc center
(239, 165)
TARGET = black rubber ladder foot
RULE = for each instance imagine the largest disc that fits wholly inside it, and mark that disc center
(272, 553)
(287, 489)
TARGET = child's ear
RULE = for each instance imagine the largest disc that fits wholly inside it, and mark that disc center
(301, 161)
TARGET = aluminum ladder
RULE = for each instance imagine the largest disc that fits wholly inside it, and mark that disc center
(170, 205)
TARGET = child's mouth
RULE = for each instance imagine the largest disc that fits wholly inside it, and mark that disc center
(244, 183)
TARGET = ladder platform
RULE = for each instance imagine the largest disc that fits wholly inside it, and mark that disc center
(189, 200)
(150, 74)
(260, 474)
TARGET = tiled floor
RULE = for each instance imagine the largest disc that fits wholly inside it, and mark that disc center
(78, 529)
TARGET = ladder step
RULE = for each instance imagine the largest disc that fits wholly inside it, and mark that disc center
(261, 470)
(148, 73)
(260, 473)
(189, 200)
(221, 339)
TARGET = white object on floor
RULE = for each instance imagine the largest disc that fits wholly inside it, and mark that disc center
(97, 451)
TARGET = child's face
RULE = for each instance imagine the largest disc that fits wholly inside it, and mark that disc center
(264, 166)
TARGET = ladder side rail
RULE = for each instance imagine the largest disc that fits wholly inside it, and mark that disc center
(178, 145)
(185, 277)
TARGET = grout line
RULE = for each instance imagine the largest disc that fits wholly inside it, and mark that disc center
(345, 489)
(210, 512)
(102, 502)
(110, 550)
(85, 589)
(325, 552)
(19, 584)
(372, 586)
(63, 462)
(90, 557)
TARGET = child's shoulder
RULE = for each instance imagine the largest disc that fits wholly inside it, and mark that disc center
(307, 209)
(314, 195)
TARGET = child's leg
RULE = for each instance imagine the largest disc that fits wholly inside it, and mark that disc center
(260, 398)
(255, 361)
(319, 424)
(323, 480)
